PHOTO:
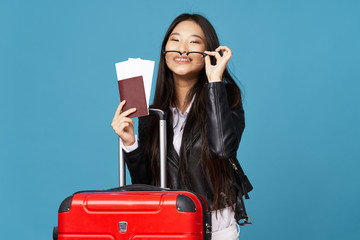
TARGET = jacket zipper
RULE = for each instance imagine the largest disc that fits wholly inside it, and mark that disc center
(233, 165)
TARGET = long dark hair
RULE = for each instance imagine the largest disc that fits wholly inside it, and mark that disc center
(165, 97)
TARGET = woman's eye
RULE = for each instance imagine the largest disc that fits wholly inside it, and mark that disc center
(174, 39)
(194, 42)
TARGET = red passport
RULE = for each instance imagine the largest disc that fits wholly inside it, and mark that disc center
(132, 90)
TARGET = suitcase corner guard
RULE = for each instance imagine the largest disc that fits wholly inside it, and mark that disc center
(185, 204)
(66, 204)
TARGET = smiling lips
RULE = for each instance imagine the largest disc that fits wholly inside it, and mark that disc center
(182, 60)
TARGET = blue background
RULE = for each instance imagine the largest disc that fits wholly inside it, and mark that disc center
(298, 62)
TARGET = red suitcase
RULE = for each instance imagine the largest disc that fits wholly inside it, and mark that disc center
(135, 211)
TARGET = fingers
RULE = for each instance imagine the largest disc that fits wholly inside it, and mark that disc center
(122, 116)
(207, 60)
(128, 112)
(214, 54)
(119, 108)
(226, 52)
(121, 126)
(225, 49)
(117, 122)
(118, 112)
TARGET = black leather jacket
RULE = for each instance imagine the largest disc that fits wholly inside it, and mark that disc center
(224, 129)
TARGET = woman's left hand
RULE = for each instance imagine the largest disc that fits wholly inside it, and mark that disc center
(215, 72)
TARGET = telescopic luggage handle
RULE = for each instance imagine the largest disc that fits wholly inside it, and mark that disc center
(163, 146)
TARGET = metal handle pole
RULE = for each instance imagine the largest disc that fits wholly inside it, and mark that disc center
(122, 179)
(162, 127)
(163, 145)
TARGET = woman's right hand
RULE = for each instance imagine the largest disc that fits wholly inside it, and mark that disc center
(123, 125)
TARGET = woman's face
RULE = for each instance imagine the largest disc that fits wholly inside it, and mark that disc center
(187, 36)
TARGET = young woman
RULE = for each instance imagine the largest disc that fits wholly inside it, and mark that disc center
(205, 121)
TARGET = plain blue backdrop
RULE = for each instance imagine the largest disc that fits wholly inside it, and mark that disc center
(297, 61)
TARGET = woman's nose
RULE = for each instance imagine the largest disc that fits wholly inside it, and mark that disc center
(183, 48)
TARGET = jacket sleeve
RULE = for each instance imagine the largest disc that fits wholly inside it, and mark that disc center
(137, 162)
(224, 125)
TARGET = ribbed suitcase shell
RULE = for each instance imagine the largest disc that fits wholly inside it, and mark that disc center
(141, 215)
